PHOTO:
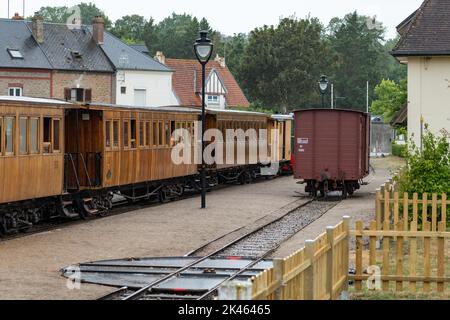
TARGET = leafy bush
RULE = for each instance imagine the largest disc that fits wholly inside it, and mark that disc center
(399, 150)
(427, 171)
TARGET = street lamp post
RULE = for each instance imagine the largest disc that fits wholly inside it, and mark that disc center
(323, 86)
(203, 48)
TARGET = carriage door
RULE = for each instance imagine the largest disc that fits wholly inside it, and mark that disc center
(84, 145)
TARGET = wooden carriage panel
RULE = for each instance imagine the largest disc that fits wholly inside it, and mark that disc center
(145, 162)
(28, 176)
(245, 121)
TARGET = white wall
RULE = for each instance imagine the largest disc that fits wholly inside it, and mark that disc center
(428, 94)
(158, 86)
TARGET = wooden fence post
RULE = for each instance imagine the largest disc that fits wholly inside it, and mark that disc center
(235, 290)
(345, 265)
(278, 268)
(378, 209)
(444, 211)
(413, 255)
(330, 261)
(359, 256)
(310, 285)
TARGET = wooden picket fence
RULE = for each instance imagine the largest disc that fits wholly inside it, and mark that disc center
(412, 260)
(319, 271)
(388, 203)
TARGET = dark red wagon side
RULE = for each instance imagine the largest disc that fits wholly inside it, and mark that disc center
(331, 151)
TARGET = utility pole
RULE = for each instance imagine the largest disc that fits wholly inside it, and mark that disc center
(367, 106)
(332, 96)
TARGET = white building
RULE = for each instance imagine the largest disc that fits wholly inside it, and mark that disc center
(425, 48)
(140, 80)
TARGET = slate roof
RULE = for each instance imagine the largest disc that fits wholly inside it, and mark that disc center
(426, 32)
(141, 48)
(60, 44)
(125, 57)
(187, 82)
(16, 35)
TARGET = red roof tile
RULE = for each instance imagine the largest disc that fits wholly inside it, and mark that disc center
(187, 88)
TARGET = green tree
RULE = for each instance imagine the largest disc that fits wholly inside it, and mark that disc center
(232, 48)
(280, 66)
(131, 27)
(392, 68)
(175, 36)
(360, 55)
(390, 98)
(88, 11)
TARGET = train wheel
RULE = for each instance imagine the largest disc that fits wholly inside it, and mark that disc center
(162, 196)
(344, 191)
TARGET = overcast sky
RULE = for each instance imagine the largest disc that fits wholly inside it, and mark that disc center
(233, 16)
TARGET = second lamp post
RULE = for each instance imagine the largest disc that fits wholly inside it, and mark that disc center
(203, 48)
(323, 86)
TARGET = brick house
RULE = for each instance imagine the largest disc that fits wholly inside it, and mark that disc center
(48, 60)
(222, 89)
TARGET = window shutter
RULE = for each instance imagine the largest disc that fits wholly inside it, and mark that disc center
(88, 95)
(67, 94)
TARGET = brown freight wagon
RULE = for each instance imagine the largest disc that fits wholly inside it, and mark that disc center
(331, 151)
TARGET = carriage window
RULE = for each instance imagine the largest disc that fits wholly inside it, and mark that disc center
(23, 135)
(126, 143)
(56, 135)
(115, 134)
(141, 133)
(9, 136)
(133, 134)
(155, 134)
(108, 134)
(47, 135)
(1, 136)
(161, 134)
(34, 135)
(167, 132)
(147, 134)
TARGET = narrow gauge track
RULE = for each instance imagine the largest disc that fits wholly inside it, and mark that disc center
(118, 208)
(257, 245)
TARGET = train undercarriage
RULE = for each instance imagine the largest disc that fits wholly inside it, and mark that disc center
(80, 204)
(321, 189)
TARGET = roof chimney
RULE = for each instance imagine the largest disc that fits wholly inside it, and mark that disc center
(17, 17)
(220, 60)
(38, 27)
(98, 30)
(160, 57)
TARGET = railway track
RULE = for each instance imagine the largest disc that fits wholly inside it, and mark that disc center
(251, 250)
(120, 207)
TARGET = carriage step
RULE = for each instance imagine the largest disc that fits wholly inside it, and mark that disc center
(67, 203)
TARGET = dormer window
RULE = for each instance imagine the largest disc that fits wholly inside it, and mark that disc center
(77, 55)
(15, 54)
(213, 99)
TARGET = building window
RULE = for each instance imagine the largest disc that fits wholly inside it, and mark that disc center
(15, 54)
(213, 99)
(123, 90)
(140, 97)
(78, 94)
(15, 91)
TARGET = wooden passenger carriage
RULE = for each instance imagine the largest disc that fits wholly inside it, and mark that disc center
(61, 159)
(31, 149)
